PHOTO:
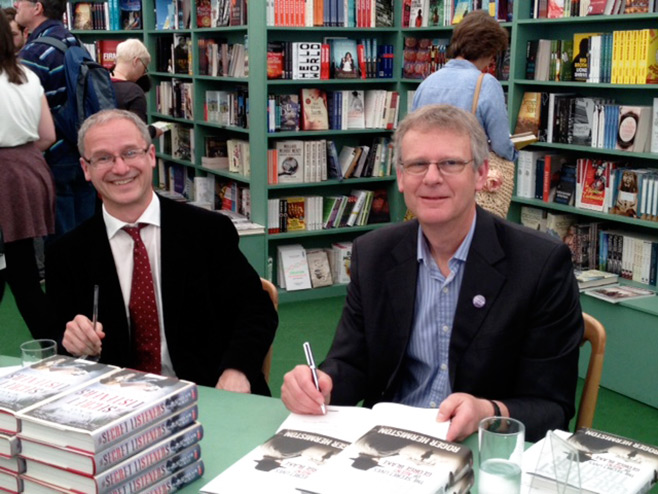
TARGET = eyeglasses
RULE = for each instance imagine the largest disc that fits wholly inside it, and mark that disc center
(446, 167)
(146, 69)
(129, 156)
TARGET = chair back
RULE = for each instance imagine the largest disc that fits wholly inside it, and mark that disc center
(271, 290)
(595, 334)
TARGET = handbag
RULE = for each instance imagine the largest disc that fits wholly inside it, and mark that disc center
(496, 195)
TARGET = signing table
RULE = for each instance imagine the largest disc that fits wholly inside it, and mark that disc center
(233, 425)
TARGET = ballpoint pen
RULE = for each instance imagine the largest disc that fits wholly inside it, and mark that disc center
(94, 320)
(314, 371)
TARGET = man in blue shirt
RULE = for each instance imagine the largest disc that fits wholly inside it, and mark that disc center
(458, 309)
(76, 198)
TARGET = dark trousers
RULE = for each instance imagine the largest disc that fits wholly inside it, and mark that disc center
(22, 276)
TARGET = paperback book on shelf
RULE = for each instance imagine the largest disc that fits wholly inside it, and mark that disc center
(41, 381)
(103, 413)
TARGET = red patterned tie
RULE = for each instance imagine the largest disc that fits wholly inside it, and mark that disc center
(143, 310)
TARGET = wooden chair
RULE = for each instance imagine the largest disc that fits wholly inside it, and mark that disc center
(595, 334)
(271, 290)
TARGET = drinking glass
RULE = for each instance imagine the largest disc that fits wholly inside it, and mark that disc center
(501, 443)
(34, 350)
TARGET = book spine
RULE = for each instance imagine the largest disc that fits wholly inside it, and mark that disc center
(148, 437)
(120, 429)
(178, 480)
(149, 457)
(158, 472)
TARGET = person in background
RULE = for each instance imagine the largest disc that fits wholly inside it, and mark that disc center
(458, 309)
(476, 41)
(176, 295)
(130, 77)
(18, 32)
(27, 200)
(76, 198)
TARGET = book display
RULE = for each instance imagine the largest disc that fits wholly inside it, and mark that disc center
(74, 425)
(391, 448)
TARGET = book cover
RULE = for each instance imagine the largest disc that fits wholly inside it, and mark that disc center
(293, 268)
(341, 261)
(594, 182)
(529, 114)
(275, 59)
(356, 110)
(297, 215)
(289, 112)
(607, 463)
(131, 14)
(618, 293)
(581, 59)
(344, 56)
(180, 54)
(103, 413)
(203, 13)
(107, 52)
(165, 11)
(83, 16)
(319, 268)
(633, 128)
(93, 464)
(290, 161)
(42, 381)
(315, 115)
(591, 278)
(379, 209)
(306, 60)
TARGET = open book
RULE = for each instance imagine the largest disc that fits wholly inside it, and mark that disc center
(392, 448)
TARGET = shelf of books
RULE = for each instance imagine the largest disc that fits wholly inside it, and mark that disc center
(586, 83)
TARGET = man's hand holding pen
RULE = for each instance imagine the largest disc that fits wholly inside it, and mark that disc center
(80, 338)
(299, 393)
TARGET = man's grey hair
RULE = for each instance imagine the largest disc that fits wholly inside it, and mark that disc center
(132, 48)
(445, 117)
(105, 116)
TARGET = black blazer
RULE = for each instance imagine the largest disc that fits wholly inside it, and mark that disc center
(521, 347)
(216, 315)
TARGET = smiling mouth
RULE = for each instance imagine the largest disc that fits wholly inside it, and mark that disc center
(123, 182)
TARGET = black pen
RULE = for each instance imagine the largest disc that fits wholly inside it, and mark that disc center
(314, 371)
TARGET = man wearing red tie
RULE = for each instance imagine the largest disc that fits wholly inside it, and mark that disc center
(176, 295)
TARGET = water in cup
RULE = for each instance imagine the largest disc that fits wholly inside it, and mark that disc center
(499, 477)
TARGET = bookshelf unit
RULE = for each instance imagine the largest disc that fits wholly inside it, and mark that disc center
(631, 326)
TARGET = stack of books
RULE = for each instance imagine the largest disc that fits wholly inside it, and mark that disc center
(101, 429)
(389, 449)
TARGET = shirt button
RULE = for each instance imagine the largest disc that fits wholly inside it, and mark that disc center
(445, 290)
(445, 329)
(432, 404)
(443, 367)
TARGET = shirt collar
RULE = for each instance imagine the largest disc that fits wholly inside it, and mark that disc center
(43, 27)
(150, 216)
(462, 63)
(461, 254)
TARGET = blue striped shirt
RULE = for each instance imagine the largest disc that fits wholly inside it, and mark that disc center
(425, 379)
(48, 62)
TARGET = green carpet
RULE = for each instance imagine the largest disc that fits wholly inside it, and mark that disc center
(315, 321)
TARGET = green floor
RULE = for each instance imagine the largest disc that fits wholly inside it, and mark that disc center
(315, 321)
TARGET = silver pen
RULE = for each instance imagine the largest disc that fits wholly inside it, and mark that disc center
(314, 371)
(94, 320)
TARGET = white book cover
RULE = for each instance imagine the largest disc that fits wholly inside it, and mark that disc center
(307, 446)
(342, 261)
(294, 267)
(356, 110)
(290, 161)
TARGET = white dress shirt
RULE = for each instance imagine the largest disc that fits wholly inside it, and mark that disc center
(122, 250)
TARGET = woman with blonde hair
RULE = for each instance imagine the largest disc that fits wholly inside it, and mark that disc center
(130, 78)
(27, 201)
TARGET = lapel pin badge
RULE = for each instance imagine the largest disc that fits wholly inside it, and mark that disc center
(479, 301)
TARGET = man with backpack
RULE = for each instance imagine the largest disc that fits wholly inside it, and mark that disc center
(45, 54)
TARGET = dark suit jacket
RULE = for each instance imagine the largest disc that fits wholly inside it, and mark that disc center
(216, 315)
(521, 347)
